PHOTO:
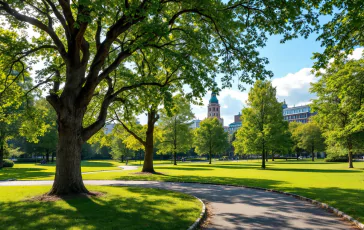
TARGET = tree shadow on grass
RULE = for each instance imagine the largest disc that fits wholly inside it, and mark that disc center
(315, 170)
(226, 166)
(184, 167)
(24, 173)
(106, 212)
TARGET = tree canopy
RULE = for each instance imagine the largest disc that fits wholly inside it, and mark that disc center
(175, 124)
(339, 105)
(210, 138)
(262, 121)
(88, 47)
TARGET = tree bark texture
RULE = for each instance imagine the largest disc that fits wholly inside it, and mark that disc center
(149, 143)
(68, 179)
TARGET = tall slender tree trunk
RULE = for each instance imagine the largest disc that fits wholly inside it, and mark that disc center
(272, 156)
(350, 155)
(47, 155)
(263, 157)
(68, 179)
(53, 156)
(266, 156)
(313, 153)
(210, 157)
(174, 157)
(149, 143)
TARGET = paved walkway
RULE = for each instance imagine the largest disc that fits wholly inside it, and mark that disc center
(239, 208)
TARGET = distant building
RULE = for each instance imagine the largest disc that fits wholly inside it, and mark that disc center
(213, 109)
(233, 127)
(300, 114)
(195, 124)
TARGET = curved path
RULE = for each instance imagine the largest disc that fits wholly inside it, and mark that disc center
(237, 207)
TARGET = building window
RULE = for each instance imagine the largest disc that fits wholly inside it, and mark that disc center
(213, 109)
(217, 109)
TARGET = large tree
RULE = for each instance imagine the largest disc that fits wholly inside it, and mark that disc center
(259, 121)
(210, 138)
(339, 105)
(86, 45)
(175, 126)
(309, 138)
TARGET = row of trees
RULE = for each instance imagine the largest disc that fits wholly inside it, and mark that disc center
(169, 133)
(100, 57)
(337, 128)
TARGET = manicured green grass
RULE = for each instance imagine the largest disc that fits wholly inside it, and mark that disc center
(31, 171)
(119, 208)
(332, 183)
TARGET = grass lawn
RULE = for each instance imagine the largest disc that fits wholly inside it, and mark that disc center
(119, 208)
(332, 183)
(32, 171)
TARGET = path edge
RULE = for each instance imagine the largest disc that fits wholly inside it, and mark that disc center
(202, 216)
(319, 204)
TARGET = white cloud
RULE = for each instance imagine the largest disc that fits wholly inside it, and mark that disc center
(357, 54)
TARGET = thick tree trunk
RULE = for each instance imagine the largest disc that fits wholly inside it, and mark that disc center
(1, 156)
(149, 143)
(68, 179)
(148, 158)
(351, 159)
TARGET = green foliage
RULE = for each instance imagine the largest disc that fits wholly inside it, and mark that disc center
(8, 163)
(340, 105)
(262, 122)
(309, 137)
(176, 134)
(210, 138)
(343, 32)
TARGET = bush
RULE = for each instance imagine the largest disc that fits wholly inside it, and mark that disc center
(337, 159)
(8, 163)
(26, 160)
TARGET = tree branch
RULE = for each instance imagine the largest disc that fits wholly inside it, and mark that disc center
(35, 22)
(130, 131)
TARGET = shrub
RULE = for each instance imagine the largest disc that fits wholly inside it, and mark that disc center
(337, 159)
(8, 163)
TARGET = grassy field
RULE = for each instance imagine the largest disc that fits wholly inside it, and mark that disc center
(331, 183)
(119, 208)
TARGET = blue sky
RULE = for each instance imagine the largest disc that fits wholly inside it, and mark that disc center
(291, 64)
